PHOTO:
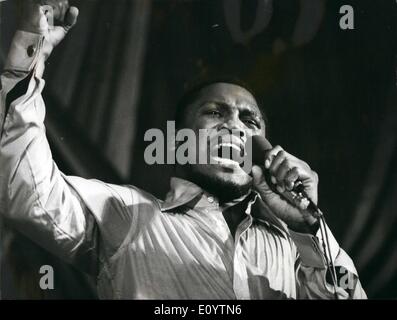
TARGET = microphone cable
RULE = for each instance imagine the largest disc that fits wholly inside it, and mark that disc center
(327, 251)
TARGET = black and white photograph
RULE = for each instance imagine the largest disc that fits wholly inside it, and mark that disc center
(198, 150)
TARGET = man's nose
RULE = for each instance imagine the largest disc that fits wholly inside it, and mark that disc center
(235, 126)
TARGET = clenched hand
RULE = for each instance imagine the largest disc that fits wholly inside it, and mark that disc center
(37, 16)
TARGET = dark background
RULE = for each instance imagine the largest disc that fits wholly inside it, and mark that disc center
(330, 96)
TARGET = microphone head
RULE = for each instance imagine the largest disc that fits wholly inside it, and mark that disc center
(260, 145)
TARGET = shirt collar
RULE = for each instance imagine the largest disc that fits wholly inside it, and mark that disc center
(262, 213)
(183, 192)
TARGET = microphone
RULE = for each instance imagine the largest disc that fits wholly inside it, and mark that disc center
(297, 196)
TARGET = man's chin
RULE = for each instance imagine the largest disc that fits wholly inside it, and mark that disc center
(230, 176)
(226, 180)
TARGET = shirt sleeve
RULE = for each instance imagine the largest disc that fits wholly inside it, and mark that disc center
(66, 215)
(314, 278)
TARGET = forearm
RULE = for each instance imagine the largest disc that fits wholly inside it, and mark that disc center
(34, 197)
(63, 214)
(22, 113)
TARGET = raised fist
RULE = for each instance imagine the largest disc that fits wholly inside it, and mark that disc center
(51, 18)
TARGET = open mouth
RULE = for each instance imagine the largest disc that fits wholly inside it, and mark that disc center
(228, 153)
(228, 150)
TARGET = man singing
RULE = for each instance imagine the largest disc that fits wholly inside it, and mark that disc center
(220, 233)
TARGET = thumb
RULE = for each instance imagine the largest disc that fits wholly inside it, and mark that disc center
(71, 18)
(260, 182)
(257, 175)
(59, 33)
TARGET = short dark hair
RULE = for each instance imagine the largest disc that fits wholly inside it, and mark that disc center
(193, 91)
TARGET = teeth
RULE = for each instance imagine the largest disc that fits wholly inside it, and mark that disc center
(230, 145)
(228, 150)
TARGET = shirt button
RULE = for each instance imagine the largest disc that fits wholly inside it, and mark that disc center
(210, 199)
(31, 49)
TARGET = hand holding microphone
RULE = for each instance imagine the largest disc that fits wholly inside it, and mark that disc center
(287, 184)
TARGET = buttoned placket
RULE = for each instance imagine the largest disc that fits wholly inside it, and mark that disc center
(240, 277)
(238, 269)
(235, 266)
(217, 222)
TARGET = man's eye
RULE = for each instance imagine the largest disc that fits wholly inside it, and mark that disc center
(251, 122)
(213, 113)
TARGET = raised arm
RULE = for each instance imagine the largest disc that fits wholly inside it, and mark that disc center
(65, 215)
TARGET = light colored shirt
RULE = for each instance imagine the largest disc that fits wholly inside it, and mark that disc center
(136, 245)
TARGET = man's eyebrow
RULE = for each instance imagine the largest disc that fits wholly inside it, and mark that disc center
(217, 101)
(246, 109)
